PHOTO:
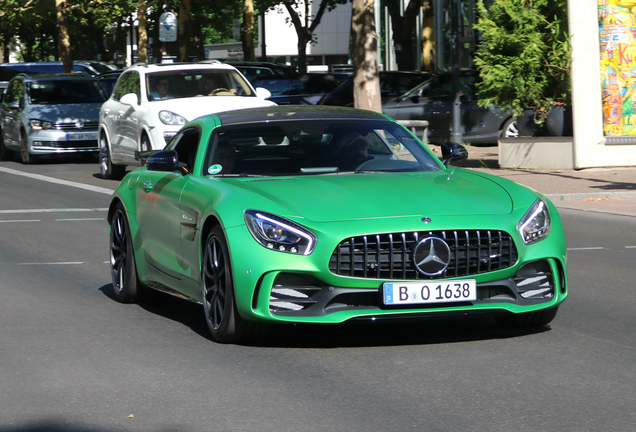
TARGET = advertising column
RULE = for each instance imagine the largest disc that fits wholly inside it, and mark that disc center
(617, 25)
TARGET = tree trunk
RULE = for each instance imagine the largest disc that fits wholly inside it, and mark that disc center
(364, 53)
(142, 43)
(64, 41)
(184, 30)
(248, 30)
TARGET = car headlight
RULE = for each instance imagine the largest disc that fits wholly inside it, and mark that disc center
(535, 224)
(279, 234)
(170, 118)
(40, 124)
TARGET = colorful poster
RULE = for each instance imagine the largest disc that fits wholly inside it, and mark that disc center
(617, 23)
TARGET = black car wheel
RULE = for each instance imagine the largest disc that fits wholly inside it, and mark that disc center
(529, 319)
(144, 144)
(123, 269)
(107, 169)
(25, 154)
(224, 321)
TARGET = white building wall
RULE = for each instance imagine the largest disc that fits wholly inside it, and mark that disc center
(332, 34)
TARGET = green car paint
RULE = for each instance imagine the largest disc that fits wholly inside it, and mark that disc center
(171, 212)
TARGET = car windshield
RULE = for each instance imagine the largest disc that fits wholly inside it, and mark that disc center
(192, 83)
(303, 147)
(65, 92)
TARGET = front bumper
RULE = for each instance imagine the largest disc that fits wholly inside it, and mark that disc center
(57, 141)
(274, 286)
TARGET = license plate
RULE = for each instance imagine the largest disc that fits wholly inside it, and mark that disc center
(81, 137)
(450, 291)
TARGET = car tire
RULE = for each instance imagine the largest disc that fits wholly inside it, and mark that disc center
(25, 154)
(144, 143)
(126, 285)
(107, 169)
(509, 129)
(219, 303)
(5, 153)
(529, 319)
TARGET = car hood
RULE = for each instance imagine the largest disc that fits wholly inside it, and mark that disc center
(66, 113)
(194, 107)
(369, 195)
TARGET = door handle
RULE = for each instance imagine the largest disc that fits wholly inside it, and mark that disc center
(148, 186)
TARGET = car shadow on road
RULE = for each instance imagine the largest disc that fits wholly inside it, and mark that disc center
(357, 334)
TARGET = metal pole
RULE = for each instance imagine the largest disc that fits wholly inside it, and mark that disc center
(456, 134)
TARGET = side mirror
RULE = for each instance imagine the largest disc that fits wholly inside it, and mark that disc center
(129, 99)
(14, 105)
(263, 93)
(453, 152)
(166, 160)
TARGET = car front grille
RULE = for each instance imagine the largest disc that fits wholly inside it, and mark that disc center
(390, 256)
(87, 126)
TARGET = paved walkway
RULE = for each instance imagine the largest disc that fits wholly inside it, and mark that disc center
(604, 190)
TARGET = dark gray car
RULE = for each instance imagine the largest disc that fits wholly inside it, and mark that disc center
(433, 101)
(49, 114)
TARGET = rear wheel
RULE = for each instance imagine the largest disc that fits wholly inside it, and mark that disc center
(219, 303)
(107, 168)
(509, 129)
(123, 269)
(529, 319)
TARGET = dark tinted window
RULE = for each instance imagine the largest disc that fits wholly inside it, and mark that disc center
(127, 83)
(64, 92)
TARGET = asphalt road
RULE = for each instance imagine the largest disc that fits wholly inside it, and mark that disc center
(73, 359)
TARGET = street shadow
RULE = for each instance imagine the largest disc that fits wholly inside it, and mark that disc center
(54, 425)
(356, 334)
(598, 183)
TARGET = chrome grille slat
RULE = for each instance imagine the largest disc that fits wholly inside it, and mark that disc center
(472, 252)
(88, 126)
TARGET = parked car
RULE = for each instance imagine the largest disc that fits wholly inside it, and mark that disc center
(312, 214)
(150, 103)
(256, 69)
(392, 84)
(108, 79)
(50, 114)
(303, 89)
(84, 66)
(433, 101)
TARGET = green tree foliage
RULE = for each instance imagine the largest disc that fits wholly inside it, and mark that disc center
(524, 57)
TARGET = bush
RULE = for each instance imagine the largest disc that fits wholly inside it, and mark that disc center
(525, 55)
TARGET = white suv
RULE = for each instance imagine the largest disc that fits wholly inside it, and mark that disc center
(150, 103)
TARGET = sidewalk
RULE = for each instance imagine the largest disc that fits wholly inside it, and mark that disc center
(604, 190)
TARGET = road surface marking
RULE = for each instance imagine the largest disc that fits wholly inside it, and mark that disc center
(57, 181)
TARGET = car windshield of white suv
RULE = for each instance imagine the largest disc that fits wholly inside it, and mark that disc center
(65, 92)
(194, 83)
(316, 147)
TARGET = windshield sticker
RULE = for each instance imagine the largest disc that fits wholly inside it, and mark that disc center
(215, 169)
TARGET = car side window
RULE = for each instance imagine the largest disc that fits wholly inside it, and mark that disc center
(186, 145)
(15, 92)
(129, 82)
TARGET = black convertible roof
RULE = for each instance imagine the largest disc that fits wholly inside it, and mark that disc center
(286, 113)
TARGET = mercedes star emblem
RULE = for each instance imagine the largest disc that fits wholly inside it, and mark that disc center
(431, 256)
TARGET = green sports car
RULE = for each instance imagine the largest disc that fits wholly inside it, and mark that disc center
(325, 215)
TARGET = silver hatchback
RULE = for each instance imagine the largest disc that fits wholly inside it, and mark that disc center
(50, 114)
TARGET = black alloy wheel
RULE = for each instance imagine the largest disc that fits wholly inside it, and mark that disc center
(224, 321)
(126, 285)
